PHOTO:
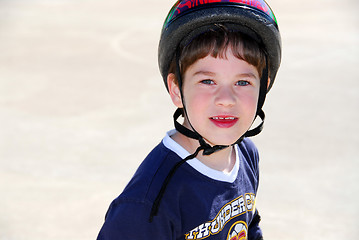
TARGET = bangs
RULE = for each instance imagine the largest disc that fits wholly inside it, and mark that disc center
(215, 43)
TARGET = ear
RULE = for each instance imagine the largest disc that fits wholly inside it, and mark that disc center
(268, 82)
(174, 90)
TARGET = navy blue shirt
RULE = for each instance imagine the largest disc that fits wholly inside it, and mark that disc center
(199, 202)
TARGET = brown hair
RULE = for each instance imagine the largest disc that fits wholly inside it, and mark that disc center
(216, 42)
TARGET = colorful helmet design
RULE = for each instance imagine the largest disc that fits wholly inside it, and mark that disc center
(187, 17)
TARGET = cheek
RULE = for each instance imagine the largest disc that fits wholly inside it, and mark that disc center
(197, 106)
(253, 100)
(249, 102)
(252, 106)
(197, 101)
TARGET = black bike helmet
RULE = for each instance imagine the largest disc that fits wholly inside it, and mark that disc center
(189, 18)
(251, 17)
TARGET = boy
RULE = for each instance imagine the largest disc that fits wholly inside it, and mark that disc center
(218, 60)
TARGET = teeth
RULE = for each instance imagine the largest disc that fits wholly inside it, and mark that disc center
(221, 118)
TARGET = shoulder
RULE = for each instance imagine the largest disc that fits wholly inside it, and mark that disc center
(130, 211)
(149, 176)
(249, 155)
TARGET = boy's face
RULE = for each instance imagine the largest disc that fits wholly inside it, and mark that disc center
(220, 96)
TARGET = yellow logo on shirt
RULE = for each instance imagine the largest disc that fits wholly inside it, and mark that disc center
(228, 212)
(238, 231)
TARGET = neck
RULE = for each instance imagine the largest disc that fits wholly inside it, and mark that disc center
(222, 160)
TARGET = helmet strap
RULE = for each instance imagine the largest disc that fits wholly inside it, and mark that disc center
(263, 87)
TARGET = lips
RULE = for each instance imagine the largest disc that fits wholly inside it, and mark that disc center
(224, 121)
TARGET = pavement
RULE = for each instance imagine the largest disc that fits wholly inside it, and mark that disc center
(82, 103)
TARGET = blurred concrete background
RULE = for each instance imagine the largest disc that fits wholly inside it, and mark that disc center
(82, 103)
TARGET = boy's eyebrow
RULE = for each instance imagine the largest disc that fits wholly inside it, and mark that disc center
(204, 73)
(250, 75)
(209, 73)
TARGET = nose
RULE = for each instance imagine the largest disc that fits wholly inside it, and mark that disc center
(225, 96)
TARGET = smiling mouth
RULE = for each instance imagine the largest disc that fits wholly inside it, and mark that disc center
(224, 121)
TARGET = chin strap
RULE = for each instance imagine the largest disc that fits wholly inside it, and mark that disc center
(259, 128)
(156, 203)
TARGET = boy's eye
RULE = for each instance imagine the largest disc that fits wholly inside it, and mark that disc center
(207, 81)
(242, 83)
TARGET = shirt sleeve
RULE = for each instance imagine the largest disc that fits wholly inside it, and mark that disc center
(130, 220)
(254, 231)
